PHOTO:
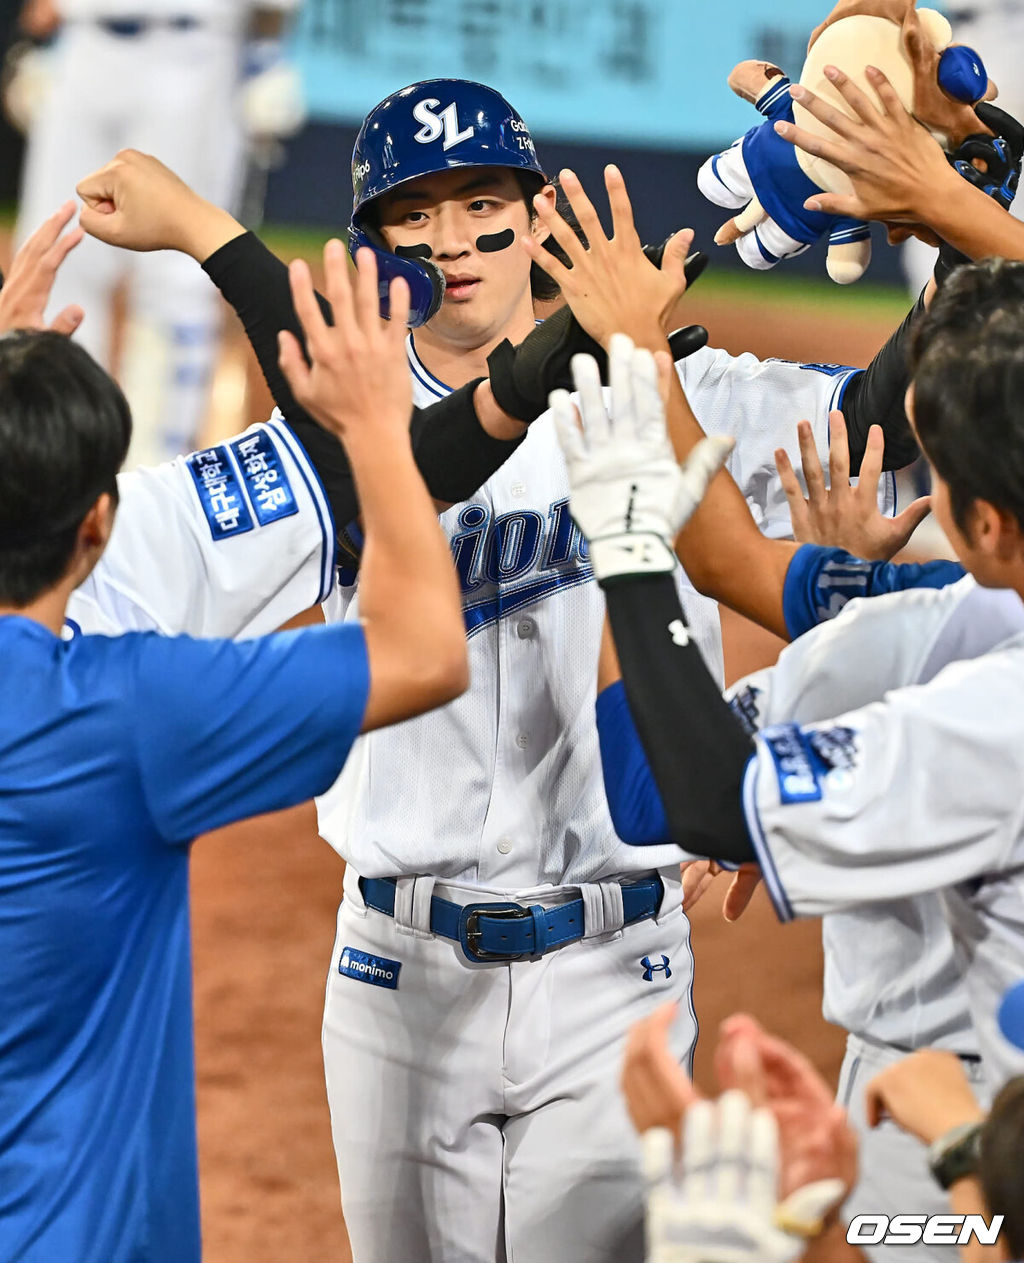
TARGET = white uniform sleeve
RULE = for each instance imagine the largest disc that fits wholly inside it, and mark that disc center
(877, 644)
(230, 541)
(759, 403)
(907, 795)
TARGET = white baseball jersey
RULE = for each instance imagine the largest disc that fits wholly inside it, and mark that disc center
(230, 541)
(503, 787)
(915, 792)
(224, 14)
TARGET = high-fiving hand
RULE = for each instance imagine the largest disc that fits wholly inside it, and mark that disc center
(628, 494)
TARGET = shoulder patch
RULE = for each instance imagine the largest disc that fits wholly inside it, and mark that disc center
(266, 483)
(803, 759)
(220, 492)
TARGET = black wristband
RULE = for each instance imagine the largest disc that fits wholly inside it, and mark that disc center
(877, 397)
(455, 454)
(696, 748)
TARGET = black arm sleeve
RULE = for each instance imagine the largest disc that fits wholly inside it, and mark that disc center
(696, 747)
(875, 397)
(454, 453)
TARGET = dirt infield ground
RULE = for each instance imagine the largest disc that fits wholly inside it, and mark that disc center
(265, 896)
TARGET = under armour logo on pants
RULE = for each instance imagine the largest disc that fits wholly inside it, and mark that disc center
(650, 970)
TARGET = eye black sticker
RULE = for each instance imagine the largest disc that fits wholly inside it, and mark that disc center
(492, 242)
(413, 252)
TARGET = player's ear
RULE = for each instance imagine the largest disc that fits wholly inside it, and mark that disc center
(550, 195)
(94, 534)
(995, 532)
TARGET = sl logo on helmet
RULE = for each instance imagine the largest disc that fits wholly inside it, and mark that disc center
(446, 121)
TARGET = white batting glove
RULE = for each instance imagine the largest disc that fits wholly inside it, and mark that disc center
(719, 1206)
(629, 496)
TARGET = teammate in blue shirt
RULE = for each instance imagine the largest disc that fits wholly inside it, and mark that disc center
(116, 752)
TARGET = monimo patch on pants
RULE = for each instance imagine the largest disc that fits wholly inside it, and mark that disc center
(365, 968)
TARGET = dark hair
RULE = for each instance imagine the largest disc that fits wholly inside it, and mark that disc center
(967, 362)
(1001, 1168)
(64, 432)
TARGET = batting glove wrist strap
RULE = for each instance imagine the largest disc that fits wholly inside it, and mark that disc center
(630, 555)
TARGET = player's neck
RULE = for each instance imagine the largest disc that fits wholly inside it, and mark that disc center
(48, 610)
(456, 363)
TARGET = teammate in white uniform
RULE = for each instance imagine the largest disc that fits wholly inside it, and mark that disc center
(162, 76)
(879, 784)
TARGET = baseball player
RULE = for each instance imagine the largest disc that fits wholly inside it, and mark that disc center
(857, 785)
(118, 750)
(167, 69)
(492, 1118)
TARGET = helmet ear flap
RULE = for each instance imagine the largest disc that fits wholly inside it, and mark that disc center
(425, 279)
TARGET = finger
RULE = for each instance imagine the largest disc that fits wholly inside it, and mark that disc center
(648, 406)
(567, 426)
(399, 301)
(366, 297)
(798, 512)
(620, 379)
(99, 186)
(747, 1071)
(833, 151)
(583, 208)
(733, 1139)
(740, 892)
(871, 462)
(68, 320)
(49, 230)
(846, 204)
(546, 261)
(101, 221)
(658, 1155)
(304, 301)
(59, 250)
(587, 379)
(892, 106)
(293, 363)
(338, 282)
(835, 119)
(763, 1182)
(560, 230)
(698, 1150)
(623, 223)
(907, 522)
(675, 254)
(810, 462)
(838, 451)
(858, 100)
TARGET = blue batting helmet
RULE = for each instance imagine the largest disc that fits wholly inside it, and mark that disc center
(436, 125)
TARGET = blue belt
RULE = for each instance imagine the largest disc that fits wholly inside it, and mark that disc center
(129, 28)
(507, 931)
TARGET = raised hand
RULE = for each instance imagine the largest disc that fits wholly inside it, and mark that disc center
(611, 286)
(26, 289)
(658, 1090)
(844, 515)
(628, 494)
(356, 383)
(139, 204)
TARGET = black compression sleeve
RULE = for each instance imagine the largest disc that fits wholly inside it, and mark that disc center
(454, 453)
(875, 397)
(695, 746)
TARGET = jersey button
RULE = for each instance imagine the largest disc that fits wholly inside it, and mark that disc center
(526, 629)
(519, 489)
(522, 741)
(504, 846)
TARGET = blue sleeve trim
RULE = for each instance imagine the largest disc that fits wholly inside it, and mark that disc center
(322, 505)
(821, 581)
(637, 811)
(772, 881)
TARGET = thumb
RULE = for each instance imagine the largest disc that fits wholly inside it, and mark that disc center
(68, 320)
(100, 221)
(674, 255)
(740, 892)
(907, 522)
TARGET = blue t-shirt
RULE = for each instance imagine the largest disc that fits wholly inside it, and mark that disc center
(114, 754)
